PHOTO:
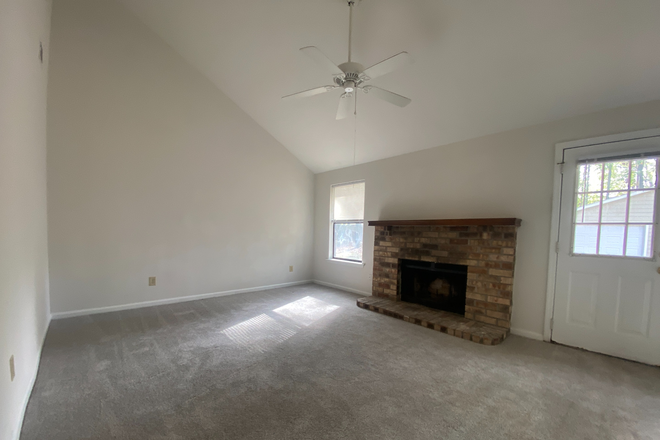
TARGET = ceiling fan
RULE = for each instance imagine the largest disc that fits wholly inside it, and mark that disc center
(352, 76)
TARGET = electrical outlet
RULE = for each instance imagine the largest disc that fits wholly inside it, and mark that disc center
(290, 268)
(12, 368)
(152, 281)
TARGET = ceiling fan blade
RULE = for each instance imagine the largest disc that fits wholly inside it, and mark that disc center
(346, 106)
(388, 96)
(310, 92)
(322, 60)
(388, 65)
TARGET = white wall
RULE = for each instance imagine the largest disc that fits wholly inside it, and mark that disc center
(24, 311)
(503, 175)
(152, 171)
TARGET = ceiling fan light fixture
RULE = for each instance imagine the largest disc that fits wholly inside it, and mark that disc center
(351, 76)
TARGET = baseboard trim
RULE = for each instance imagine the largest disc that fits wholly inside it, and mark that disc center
(33, 380)
(337, 286)
(180, 299)
(526, 334)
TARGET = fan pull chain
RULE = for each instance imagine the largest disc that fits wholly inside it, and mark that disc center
(355, 130)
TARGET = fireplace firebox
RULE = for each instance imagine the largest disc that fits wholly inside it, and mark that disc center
(436, 285)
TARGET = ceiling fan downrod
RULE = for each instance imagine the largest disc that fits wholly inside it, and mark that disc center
(351, 3)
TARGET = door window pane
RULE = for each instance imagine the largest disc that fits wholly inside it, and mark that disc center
(615, 208)
(616, 175)
(611, 240)
(592, 208)
(582, 179)
(639, 241)
(643, 173)
(586, 237)
(642, 204)
(579, 208)
(594, 174)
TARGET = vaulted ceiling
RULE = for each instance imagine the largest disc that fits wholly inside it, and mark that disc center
(480, 67)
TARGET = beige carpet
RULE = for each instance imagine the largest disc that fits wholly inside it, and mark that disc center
(306, 363)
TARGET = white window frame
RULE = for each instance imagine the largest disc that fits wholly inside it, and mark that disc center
(331, 246)
(625, 223)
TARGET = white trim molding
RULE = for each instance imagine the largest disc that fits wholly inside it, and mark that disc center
(526, 334)
(556, 200)
(346, 289)
(600, 140)
(179, 299)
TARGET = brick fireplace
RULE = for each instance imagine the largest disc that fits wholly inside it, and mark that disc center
(487, 247)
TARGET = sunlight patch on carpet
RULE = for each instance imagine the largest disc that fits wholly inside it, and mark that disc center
(306, 311)
(259, 333)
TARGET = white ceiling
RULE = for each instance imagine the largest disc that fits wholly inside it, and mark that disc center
(481, 66)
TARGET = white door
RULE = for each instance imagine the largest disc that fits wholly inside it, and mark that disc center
(607, 287)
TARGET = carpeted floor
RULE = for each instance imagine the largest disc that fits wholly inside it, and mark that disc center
(306, 363)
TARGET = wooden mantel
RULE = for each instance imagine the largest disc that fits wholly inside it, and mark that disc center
(450, 222)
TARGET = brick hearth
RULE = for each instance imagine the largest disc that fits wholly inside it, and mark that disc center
(444, 322)
(486, 246)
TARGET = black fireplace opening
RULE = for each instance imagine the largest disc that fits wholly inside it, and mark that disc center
(437, 285)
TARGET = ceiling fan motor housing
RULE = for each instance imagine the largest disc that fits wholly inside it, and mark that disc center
(351, 67)
(352, 76)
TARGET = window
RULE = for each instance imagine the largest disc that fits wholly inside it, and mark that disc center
(347, 221)
(615, 208)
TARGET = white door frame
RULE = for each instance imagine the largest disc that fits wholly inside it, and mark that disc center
(556, 200)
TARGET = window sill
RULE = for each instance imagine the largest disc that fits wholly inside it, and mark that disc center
(352, 263)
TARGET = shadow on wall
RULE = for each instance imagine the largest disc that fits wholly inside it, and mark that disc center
(413, 209)
(407, 210)
(394, 211)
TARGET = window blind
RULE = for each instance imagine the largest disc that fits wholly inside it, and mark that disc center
(349, 201)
